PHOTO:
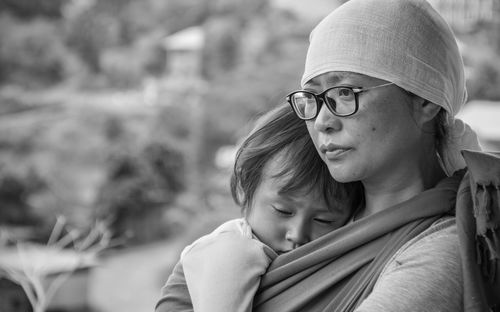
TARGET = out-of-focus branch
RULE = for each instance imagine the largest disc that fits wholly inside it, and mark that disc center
(31, 272)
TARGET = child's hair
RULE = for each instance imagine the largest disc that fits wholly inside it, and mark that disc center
(280, 130)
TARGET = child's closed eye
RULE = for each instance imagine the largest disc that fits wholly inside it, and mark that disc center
(282, 211)
(324, 221)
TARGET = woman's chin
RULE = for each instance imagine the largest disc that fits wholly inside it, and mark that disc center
(342, 176)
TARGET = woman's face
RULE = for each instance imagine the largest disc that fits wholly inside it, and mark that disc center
(287, 221)
(378, 141)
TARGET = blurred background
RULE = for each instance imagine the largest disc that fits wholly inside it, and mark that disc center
(119, 120)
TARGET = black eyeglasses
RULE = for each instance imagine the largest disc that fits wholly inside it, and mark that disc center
(341, 101)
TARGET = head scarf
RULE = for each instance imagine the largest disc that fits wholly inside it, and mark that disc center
(402, 41)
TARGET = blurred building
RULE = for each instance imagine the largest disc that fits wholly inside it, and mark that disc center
(464, 15)
(484, 118)
(184, 48)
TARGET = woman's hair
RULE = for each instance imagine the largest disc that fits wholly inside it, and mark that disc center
(441, 134)
(280, 131)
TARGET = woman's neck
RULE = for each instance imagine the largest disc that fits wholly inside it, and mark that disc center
(402, 185)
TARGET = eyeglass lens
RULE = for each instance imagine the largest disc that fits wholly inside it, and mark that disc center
(340, 100)
(305, 104)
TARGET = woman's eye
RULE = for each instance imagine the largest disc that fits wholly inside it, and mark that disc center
(345, 92)
(282, 211)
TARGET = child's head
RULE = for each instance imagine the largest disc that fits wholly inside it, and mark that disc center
(284, 188)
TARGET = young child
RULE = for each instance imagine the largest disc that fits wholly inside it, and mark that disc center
(288, 198)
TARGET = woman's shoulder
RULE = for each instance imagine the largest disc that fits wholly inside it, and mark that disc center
(423, 275)
(432, 257)
(435, 249)
(441, 238)
(441, 229)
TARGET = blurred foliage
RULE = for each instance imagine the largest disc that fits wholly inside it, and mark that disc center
(15, 190)
(481, 55)
(484, 81)
(32, 53)
(88, 106)
(89, 33)
(33, 8)
(138, 183)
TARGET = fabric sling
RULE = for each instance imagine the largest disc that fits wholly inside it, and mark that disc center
(338, 271)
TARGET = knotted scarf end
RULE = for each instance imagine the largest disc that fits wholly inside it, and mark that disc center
(484, 178)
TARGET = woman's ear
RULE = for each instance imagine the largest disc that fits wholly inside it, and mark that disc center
(425, 111)
(430, 110)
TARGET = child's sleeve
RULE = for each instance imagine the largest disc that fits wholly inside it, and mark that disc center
(223, 274)
(174, 294)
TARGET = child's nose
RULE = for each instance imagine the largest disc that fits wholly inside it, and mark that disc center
(298, 233)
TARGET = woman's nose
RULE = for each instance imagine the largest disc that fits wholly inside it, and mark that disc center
(326, 121)
(298, 233)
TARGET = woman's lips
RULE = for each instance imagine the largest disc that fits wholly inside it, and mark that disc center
(334, 151)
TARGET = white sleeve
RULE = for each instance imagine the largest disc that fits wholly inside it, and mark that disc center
(223, 273)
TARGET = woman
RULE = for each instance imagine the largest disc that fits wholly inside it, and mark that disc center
(383, 81)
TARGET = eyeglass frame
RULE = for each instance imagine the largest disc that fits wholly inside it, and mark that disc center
(321, 96)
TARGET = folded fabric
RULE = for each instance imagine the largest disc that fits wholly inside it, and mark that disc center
(338, 271)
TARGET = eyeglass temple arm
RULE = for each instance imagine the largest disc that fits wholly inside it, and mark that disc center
(374, 87)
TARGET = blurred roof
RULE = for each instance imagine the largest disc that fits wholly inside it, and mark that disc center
(484, 118)
(189, 39)
(312, 10)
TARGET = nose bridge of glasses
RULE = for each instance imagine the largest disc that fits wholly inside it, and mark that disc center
(329, 102)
